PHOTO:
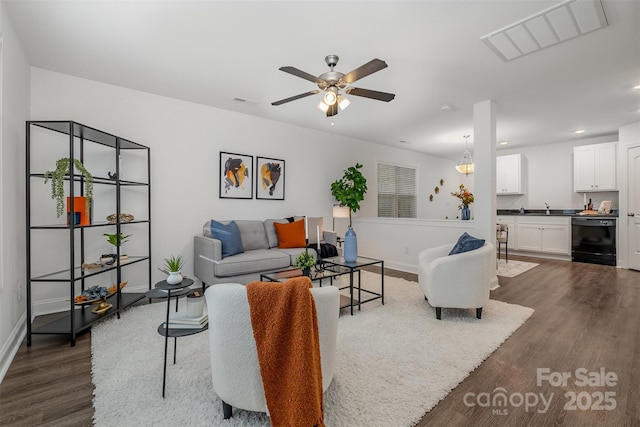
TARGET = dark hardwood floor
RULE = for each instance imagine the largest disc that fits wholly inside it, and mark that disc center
(587, 317)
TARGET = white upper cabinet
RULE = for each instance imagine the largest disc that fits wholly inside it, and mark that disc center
(508, 175)
(594, 167)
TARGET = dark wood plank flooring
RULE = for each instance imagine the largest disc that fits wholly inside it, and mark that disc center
(587, 316)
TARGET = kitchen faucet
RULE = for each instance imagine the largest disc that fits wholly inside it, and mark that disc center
(547, 205)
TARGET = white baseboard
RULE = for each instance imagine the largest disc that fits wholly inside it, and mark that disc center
(12, 345)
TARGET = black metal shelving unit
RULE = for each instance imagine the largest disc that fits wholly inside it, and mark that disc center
(79, 318)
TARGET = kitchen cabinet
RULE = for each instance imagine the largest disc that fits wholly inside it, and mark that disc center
(508, 175)
(594, 167)
(544, 234)
(510, 221)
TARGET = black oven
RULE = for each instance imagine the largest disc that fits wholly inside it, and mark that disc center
(593, 240)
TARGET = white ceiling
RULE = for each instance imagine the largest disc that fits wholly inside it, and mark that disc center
(211, 52)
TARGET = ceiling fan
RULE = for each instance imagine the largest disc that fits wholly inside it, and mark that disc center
(333, 82)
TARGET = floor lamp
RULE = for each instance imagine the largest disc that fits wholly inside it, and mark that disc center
(339, 212)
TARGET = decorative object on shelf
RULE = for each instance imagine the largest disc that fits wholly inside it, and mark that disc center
(124, 217)
(236, 176)
(466, 198)
(57, 182)
(305, 261)
(350, 191)
(174, 264)
(80, 216)
(116, 239)
(466, 163)
(270, 174)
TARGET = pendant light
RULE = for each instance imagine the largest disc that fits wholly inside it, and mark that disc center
(466, 163)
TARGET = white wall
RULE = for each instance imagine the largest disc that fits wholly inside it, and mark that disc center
(185, 141)
(15, 111)
(547, 177)
(629, 137)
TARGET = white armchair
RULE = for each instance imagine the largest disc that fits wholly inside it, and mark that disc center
(456, 281)
(234, 359)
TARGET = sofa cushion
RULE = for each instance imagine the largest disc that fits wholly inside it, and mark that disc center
(290, 235)
(253, 234)
(254, 261)
(229, 235)
(466, 243)
(272, 237)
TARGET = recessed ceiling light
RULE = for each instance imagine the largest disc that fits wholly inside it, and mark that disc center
(579, 131)
(504, 142)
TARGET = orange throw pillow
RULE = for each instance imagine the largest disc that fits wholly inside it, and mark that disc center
(290, 235)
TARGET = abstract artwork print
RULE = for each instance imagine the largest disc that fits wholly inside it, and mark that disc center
(236, 176)
(270, 175)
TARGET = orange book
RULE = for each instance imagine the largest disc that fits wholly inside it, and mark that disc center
(81, 214)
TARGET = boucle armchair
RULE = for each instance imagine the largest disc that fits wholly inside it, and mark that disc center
(234, 360)
(456, 281)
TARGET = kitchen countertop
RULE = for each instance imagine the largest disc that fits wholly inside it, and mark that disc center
(555, 212)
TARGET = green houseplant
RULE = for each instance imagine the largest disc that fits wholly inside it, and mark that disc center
(349, 191)
(174, 264)
(116, 239)
(57, 182)
(305, 261)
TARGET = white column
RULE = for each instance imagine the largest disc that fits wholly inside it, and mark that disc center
(484, 159)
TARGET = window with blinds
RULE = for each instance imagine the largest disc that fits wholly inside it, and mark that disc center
(396, 191)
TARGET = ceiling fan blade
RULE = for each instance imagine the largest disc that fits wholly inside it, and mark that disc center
(373, 94)
(293, 98)
(299, 73)
(364, 70)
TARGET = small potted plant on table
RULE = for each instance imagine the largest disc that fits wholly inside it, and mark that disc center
(305, 261)
(174, 265)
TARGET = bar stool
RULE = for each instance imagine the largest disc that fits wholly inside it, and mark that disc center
(502, 238)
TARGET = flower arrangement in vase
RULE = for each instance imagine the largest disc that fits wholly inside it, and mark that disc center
(466, 198)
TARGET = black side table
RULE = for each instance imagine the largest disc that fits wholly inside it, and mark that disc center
(165, 290)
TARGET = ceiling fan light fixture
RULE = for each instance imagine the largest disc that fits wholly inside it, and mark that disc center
(331, 96)
(322, 106)
(343, 102)
(466, 163)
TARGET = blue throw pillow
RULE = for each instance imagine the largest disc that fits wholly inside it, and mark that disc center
(229, 235)
(466, 243)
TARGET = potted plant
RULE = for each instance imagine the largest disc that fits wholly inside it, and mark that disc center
(305, 261)
(350, 191)
(57, 182)
(174, 264)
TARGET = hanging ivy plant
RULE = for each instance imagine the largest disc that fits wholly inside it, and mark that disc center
(57, 182)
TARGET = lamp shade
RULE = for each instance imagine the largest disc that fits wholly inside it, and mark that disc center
(340, 211)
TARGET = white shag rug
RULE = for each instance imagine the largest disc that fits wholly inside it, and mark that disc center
(513, 268)
(394, 363)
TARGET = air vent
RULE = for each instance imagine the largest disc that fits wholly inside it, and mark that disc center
(565, 21)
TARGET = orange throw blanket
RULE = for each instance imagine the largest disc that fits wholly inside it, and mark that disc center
(285, 327)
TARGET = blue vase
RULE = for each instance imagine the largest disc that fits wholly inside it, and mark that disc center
(350, 245)
(465, 214)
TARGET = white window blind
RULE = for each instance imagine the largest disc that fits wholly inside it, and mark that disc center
(396, 191)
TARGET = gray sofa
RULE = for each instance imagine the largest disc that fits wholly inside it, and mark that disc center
(261, 253)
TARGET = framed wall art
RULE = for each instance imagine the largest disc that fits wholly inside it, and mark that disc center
(270, 175)
(236, 176)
